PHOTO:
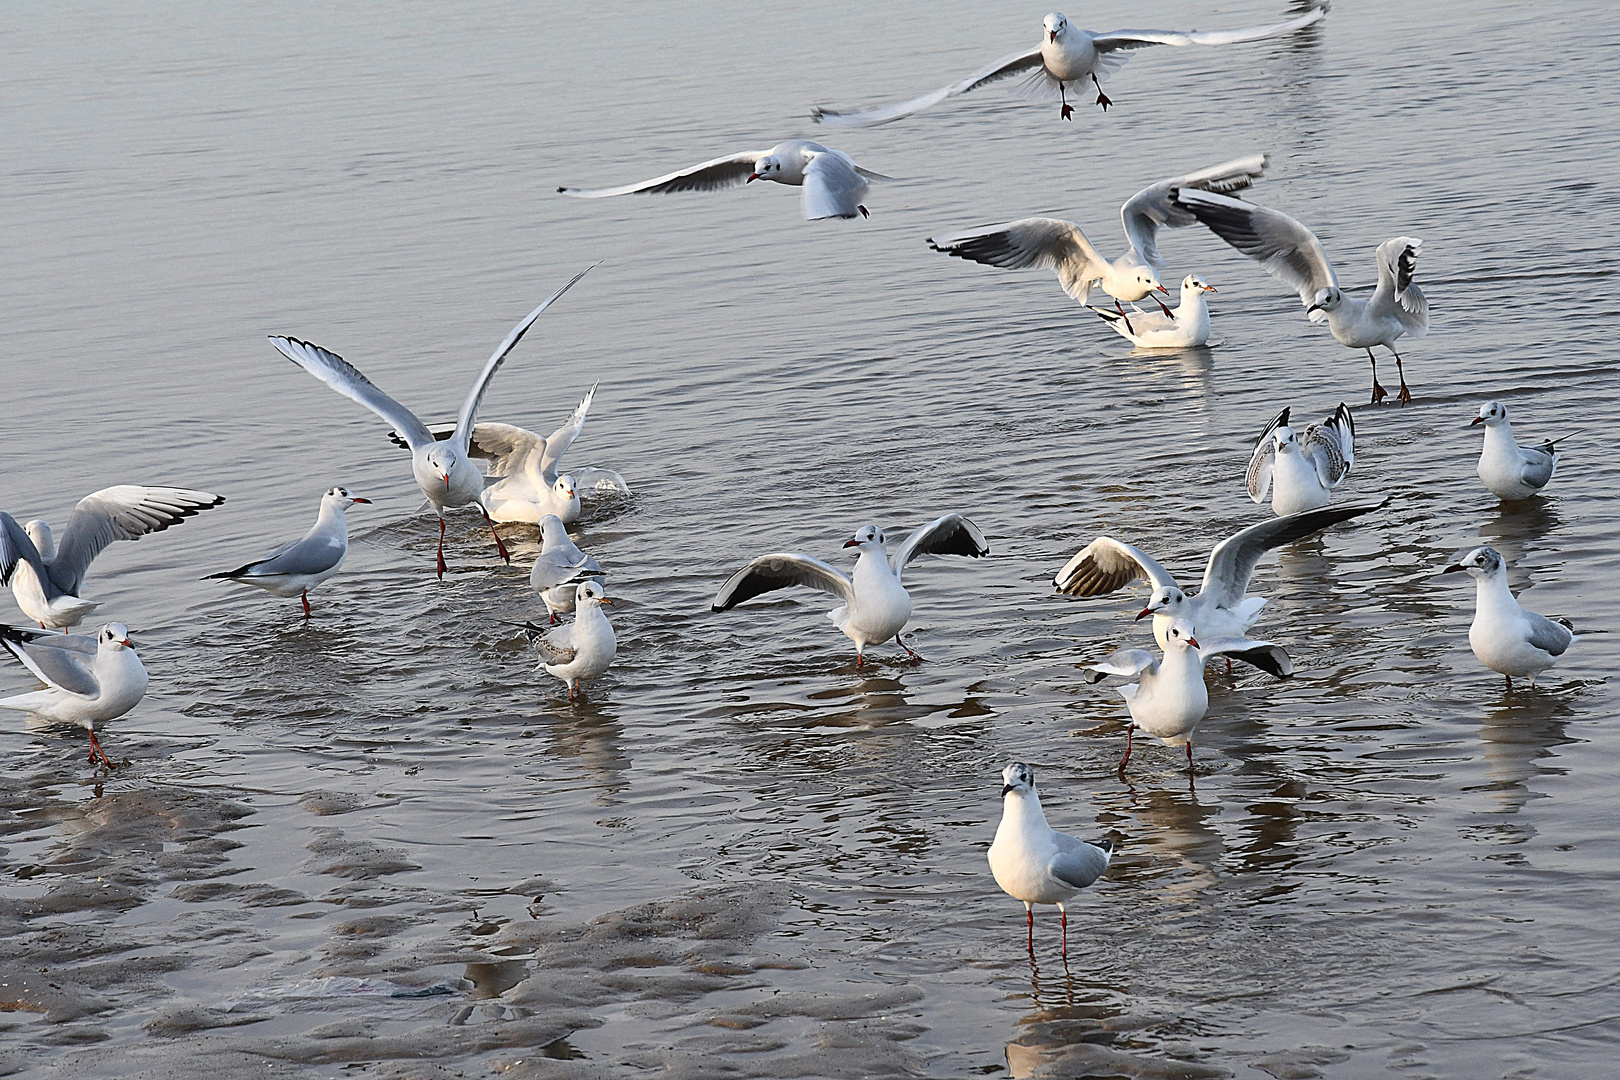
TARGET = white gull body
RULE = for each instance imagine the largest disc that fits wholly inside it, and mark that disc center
(1186, 327)
(1300, 473)
(584, 648)
(1168, 698)
(87, 682)
(561, 567)
(296, 567)
(1512, 472)
(1505, 636)
(1035, 863)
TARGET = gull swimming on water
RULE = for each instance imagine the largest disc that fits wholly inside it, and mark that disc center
(1301, 473)
(1511, 471)
(560, 568)
(46, 577)
(1168, 698)
(875, 604)
(1055, 244)
(834, 186)
(1292, 254)
(1035, 863)
(1505, 636)
(1186, 327)
(1066, 56)
(582, 649)
(298, 566)
(87, 682)
(443, 470)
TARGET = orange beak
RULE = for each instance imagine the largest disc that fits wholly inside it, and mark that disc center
(126, 643)
(447, 481)
(605, 600)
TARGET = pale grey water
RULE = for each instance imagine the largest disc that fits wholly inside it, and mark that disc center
(1388, 867)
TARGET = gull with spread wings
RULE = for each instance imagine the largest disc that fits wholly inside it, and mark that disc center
(1300, 472)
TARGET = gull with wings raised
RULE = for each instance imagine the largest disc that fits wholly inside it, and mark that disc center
(1300, 472)
(1168, 698)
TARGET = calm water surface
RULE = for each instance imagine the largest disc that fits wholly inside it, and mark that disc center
(751, 859)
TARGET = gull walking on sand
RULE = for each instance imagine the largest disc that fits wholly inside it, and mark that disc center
(298, 566)
(1035, 863)
(87, 681)
(1505, 636)
(1301, 473)
(1168, 698)
(1513, 472)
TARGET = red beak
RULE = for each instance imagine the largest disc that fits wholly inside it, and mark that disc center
(751, 178)
(852, 543)
(1051, 35)
(1164, 290)
(126, 643)
(447, 481)
(1144, 613)
(1476, 420)
(1193, 642)
(358, 499)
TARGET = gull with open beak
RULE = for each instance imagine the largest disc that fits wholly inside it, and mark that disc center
(298, 566)
(443, 470)
(87, 682)
(1168, 698)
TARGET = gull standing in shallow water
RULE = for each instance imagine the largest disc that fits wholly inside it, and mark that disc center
(875, 604)
(298, 566)
(1510, 471)
(1168, 698)
(833, 184)
(1222, 611)
(1292, 254)
(443, 470)
(1187, 327)
(582, 649)
(46, 578)
(560, 568)
(87, 682)
(1300, 474)
(1066, 55)
(1505, 636)
(1055, 244)
(1035, 863)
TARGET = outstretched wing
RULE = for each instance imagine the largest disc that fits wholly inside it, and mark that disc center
(1105, 565)
(1001, 69)
(17, 546)
(1138, 39)
(832, 187)
(564, 437)
(782, 570)
(1232, 563)
(347, 380)
(126, 512)
(952, 534)
(1331, 446)
(1126, 663)
(722, 172)
(1048, 243)
(63, 661)
(1152, 207)
(469, 408)
(1272, 659)
(1289, 251)
(1397, 294)
(1264, 456)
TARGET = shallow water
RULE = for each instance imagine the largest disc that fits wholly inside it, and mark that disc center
(379, 842)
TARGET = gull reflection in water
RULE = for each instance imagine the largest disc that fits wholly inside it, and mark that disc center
(1517, 527)
(1171, 842)
(1515, 737)
(590, 731)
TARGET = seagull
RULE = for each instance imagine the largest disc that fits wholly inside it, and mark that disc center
(443, 470)
(1184, 328)
(1035, 863)
(1168, 698)
(524, 484)
(46, 578)
(560, 568)
(1221, 612)
(1505, 636)
(298, 566)
(582, 649)
(1066, 56)
(833, 184)
(1509, 470)
(1293, 255)
(87, 682)
(1059, 245)
(875, 604)
(1302, 473)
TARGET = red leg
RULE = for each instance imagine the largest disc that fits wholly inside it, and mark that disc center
(441, 547)
(1378, 392)
(858, 658)
(900, 642)
(1029, 919)
(1130, 732)
(1189, 755)
(1509, 678)
(1162, 308)
(305, 595)
(97, 751)
(1064, 916)
(1229, 665)
(1124, 316)
(552, 617)
(500, 547)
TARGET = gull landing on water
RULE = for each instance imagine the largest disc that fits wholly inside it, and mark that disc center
(1187, 327)
(296, 567)
(87, 682)
(1067, 55)
(833, 184)
(1510, 471)
(1505, 636)
(1035, 863)
(443, 470)
(875, 604)
(1301, 473)
(1168, 698)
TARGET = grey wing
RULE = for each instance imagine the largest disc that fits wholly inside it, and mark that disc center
(125, 512)
(1547, 635)
(1137, 39)
(561, 439)
(1232, 563)
(1151, 207)
(722, 172)
(1127, 663)
(1397, 294)
(347, 380)
(1538, 466)
(16, 546)
(782, 570)
(59, 660)
(1268, 657)
(1288, 250)
(1047, 243)
(506, 447)
(311, 555)
(952, 534)
(1331, 446)
(1106, 565)
(832, 187)
(557, 646)
(558, 569)
(469, 408)
(1005, 67)
(1077, 863)
(1264, 457)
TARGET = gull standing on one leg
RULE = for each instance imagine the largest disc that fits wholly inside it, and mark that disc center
(1510, 471)
(1301, 473)
(1505, 636)
(296, 567)
(1168, 698)
(87, 682)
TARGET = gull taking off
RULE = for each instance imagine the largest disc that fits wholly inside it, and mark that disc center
(1066, 57)
(834, 186)
(87, 682)
(1292, 254)
(298, 566)
(582, 649)
(1505, 636)
(1055, 244)
(46, 578)
(875, 604)
(1168, 698)
(1184, 328)
(1035, 863)
(1511, 471)
(1222, 611)
(443, 470)
(1301, 473)
(561, 568)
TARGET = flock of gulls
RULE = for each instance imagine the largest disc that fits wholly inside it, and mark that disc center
(512, 475)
